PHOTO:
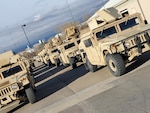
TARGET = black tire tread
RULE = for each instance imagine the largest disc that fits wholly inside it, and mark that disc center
(120, 64)
(89, 66)
(30, 95)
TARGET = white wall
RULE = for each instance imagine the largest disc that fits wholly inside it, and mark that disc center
(132, 6)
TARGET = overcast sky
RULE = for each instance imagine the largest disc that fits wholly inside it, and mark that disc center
(40, 16)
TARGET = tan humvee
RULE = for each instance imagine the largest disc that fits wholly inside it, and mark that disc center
(53, 52)
(69, 51)
(49, 55)
(15, 79)
(54, 56)
(114, 40)
(43, 57)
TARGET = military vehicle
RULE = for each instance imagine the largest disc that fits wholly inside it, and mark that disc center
(43, 57)
(68, 50)
(16, 82)
(54, 56)
(27, 57)
(53, 52)
(114, 40)
(69, 53)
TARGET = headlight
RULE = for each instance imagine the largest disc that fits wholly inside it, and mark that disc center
(127, 44)
(77, 52)
(14, 86)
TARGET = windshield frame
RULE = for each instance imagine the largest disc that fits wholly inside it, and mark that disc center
(11, 70)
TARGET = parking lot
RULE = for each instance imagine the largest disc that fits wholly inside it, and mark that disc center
(63, 90)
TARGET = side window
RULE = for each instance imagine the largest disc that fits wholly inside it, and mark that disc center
(88, 43)
(106, 32)
(124, 12)
(129, 23)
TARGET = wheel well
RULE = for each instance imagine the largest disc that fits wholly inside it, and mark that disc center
(105, 52)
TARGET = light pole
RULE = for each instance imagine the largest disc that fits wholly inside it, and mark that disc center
(26, 34)
(70, 11)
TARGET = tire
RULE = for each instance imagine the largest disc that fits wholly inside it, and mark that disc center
(72, 62)
(57, 62)
(30, 95)
(89, 66)
(49, 63)
(32, 66)
(116, 64)
(32, 81)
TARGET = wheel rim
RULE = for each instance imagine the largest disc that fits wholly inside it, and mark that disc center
(112, 65)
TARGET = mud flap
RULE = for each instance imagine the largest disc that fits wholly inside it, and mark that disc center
(138, 43)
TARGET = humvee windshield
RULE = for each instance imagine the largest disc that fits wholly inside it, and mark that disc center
(129, 23)
(11, 71)
(106, 32)
(69, 46)
(123, 26)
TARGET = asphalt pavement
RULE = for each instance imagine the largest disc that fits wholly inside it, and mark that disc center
(66, 90)
(127, 94)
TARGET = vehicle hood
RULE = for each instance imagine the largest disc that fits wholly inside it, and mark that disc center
(7, 81)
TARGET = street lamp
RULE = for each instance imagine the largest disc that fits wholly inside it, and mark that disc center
(26, 34)
(70, 11)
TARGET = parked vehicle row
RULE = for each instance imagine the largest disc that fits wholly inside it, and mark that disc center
(65, 52)
(111, 40)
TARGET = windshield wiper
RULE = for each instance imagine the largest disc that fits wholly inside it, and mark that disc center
(9, 67)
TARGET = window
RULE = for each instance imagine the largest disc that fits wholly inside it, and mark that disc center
(55, 50)
(11, 71)
(69, 46)
(124, 12)
(106, 32)
(129, 23)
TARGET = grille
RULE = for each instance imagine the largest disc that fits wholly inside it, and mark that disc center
(5, 91)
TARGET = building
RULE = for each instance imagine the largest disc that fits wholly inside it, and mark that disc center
(130, 7)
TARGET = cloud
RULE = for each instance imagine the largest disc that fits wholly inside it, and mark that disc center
(43, 24)
(37, 17)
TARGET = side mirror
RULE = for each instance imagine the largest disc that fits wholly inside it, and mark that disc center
(88, 43)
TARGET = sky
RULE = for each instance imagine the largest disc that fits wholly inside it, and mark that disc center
(41, 18)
